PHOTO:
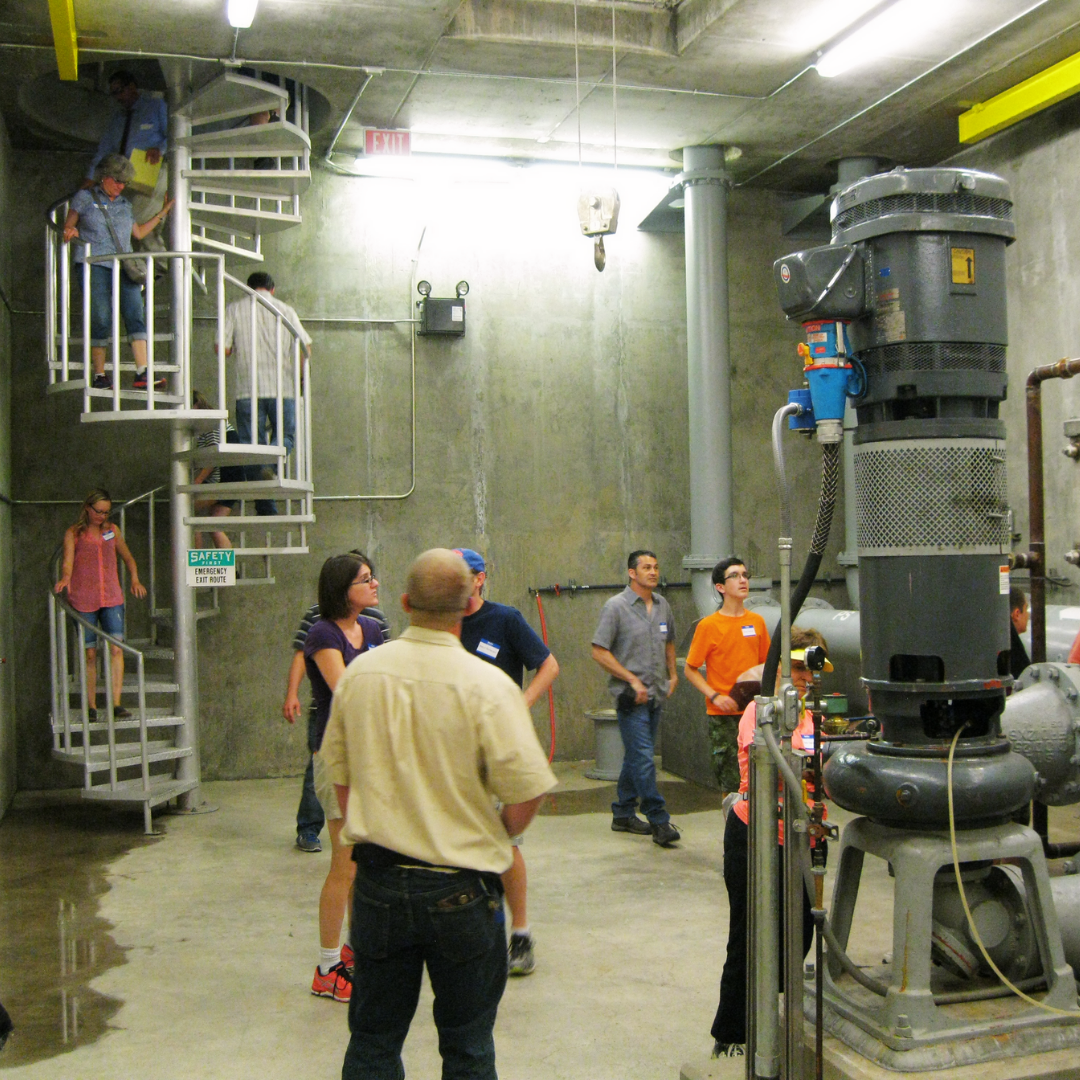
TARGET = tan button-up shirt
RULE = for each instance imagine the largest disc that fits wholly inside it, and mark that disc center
(427, 737)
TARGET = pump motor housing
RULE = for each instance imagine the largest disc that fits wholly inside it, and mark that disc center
(916, 270)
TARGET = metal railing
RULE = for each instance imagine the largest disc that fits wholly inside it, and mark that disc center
(63, 618)
(64, 367)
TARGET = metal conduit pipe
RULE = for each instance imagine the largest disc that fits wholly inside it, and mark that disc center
(791, 409)
(708, 366)
(369, 74)
(1035, 558)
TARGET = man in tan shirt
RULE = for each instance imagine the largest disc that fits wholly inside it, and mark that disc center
(421, 742)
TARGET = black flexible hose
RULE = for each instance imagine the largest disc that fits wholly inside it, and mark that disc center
(830, 477)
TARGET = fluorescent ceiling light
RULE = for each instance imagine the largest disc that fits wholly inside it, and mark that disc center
(434, 168)
(241, 13)
(897, 27)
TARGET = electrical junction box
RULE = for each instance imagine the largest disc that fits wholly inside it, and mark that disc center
(442, 315)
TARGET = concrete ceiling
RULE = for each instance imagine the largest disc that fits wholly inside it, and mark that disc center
(497, 77)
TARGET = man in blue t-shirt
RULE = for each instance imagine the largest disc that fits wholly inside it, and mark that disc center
(500, 635)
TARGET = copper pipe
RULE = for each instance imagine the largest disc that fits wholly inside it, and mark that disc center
(1036, 556)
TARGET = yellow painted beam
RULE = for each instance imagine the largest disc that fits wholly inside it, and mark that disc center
(1021, 101)
(62, 14)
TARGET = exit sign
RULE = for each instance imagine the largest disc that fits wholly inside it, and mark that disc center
(386, 142)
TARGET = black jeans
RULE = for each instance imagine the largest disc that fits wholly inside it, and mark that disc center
(403, 919)
(729, 1026)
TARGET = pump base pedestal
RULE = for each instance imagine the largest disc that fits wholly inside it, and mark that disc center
(905, 1030)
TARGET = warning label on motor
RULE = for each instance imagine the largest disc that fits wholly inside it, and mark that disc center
(963, 266)
(211, 566)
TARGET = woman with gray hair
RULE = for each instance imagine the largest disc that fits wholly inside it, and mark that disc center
(102, 217)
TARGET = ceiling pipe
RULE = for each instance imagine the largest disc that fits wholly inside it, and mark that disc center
(704, 184)
(369, 74)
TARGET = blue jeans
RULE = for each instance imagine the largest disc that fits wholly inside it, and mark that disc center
(131, 306)
(310, 818)
(638, 726)
(454, 923)
(266, 427)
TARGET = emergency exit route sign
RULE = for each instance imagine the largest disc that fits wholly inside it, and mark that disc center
(377, 142)
(211, 566)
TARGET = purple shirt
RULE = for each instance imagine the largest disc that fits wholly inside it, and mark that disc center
(325, 634)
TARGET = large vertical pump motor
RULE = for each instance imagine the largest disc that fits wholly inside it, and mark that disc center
(915, 282)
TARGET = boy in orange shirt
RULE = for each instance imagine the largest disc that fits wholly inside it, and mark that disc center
(726, 643)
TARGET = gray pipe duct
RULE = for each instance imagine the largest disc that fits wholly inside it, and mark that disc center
(704, 185)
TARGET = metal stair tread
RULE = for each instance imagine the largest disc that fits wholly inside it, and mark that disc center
(127, 754)
(165, 720)
(231, 454)
(139, 395)
(279, 138)
(162, 789)
(229, 249)
(232, 95)
(58, 365)
(257, 183)
(239, 220)
(131, 686)
(253, 489)
(193, 419)
(234, 522)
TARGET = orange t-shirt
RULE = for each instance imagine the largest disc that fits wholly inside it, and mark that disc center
(727, 645)
(747, 727)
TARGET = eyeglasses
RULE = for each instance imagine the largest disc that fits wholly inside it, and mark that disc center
(103, 513)
(737, 576)
(364, 580)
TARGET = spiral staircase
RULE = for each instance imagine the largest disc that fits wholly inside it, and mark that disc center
(241, 147)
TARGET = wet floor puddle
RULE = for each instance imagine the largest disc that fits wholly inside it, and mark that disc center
(53, 866)
(682, 797)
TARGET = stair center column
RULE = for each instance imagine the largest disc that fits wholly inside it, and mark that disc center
(177, 74)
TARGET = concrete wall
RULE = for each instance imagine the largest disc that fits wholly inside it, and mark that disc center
(552, 437)
(1040, 159)
(7, 701)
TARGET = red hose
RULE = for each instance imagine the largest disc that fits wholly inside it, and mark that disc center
(551, 693)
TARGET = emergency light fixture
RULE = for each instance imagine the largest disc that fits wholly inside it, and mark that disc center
(442, 316)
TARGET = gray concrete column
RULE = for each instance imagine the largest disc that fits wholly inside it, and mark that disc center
(708, 367)
(185, 642)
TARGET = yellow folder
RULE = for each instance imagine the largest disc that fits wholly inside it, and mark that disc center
(146, 175)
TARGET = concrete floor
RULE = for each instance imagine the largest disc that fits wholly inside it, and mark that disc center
(190, 955)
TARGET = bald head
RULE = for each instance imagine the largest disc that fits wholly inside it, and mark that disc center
(438, 588)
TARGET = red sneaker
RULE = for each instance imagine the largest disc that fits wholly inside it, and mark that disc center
(336, 983)
(348, 958)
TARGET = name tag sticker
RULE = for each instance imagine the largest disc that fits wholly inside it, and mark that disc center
(487, 648)
(108, 535)
(663, 628)
(748, 631)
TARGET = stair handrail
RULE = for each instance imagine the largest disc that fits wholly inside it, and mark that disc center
(301, 465)
(60, 611)
(54, 576)
(57, 308)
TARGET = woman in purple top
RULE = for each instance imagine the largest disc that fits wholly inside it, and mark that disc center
(347, 585)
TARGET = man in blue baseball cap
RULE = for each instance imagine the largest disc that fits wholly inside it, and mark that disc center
(499, 634)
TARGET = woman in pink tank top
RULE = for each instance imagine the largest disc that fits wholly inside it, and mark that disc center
(93, 587)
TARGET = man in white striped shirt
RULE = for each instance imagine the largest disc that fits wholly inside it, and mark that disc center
(264, 352)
